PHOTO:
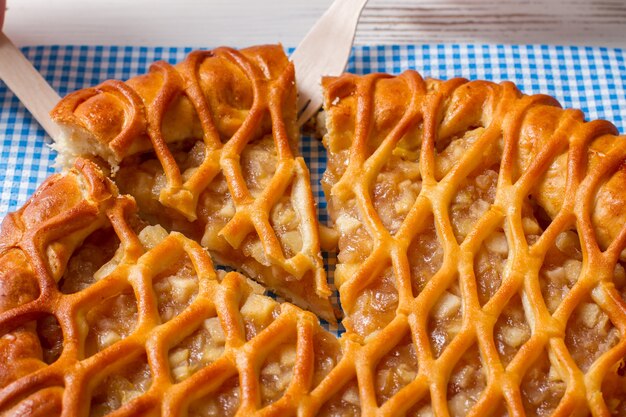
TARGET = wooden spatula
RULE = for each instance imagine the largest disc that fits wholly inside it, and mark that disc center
(324, 51)
(28, 85)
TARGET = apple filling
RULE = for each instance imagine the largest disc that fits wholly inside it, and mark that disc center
(121, 387)
(198, 350)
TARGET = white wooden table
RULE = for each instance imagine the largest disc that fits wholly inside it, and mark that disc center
(246, 22)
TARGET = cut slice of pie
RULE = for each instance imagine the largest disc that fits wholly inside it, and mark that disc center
(495, 224)
(209, 148)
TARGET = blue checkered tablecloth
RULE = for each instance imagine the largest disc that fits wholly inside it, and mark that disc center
(592, 79)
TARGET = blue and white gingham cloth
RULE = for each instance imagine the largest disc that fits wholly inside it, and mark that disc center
(591, 79)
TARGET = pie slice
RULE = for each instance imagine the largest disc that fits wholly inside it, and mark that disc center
(494, 224)
(209, 148)
(102, 314)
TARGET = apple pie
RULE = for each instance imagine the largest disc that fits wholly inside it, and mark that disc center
(481, 265)
(484, 229)
(209, 148)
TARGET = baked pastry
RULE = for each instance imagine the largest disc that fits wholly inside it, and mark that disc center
(480, 267)
(486, 229)
(209, 148)
(101, 313)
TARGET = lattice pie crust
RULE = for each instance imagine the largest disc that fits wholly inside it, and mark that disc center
(209, 148)
(488, 227)
(480, 267)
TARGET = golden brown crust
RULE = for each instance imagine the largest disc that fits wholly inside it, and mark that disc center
(220, 128)
(493, 223)
(35, 245)
(117, 114)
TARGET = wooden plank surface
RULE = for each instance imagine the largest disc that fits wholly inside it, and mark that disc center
(245, 22)
(577, 22)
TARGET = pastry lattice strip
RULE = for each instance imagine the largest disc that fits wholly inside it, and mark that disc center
(449, 133)
(230, 104)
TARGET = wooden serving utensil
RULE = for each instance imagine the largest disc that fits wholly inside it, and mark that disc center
(324, 51)
(28, 85)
